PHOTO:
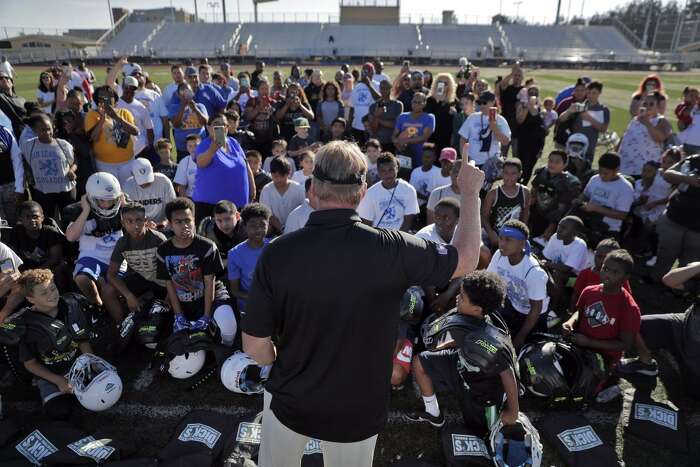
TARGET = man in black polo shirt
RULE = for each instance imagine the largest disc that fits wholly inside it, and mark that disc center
(324, 308)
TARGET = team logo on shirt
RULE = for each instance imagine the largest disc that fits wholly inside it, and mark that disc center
(597, 316)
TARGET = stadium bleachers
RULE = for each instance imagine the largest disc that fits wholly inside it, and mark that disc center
(178, 39)
(449, 41)
(293, 40)
(130, 39)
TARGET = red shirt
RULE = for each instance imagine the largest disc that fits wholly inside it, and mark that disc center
(604, 316)
(681, 115)
(590, 277)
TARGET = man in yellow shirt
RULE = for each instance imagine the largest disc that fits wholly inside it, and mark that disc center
(111, 132)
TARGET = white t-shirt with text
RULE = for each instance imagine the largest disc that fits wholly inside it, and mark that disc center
(525, 281)
(617, 194)
(387, 208)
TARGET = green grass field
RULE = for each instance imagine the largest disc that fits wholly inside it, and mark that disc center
(147, 430)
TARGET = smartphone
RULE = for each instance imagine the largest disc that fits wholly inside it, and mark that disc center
(580, 106)
(642, 111)
(492, 113)
(220, 135)
(440, 88)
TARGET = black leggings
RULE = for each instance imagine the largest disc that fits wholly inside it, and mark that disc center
(50, 202)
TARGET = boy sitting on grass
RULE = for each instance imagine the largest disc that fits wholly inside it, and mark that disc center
(607, 317)
(480, 389)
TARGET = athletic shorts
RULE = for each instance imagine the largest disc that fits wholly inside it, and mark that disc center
(140, 286)
(404, 355)
(441, 366)
(90, 267)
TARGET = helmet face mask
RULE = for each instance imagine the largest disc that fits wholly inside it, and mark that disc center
(95, 382)
(516, 446)
(241, 374)
(102, 186)
(577, 145)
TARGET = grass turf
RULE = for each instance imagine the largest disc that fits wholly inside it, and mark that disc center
(146, 435)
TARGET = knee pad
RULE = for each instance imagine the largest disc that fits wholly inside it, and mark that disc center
(226, 321)
(59, 407)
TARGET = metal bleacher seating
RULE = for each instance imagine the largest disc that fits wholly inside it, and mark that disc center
(450, 41)
(129, 39)
(185, 39)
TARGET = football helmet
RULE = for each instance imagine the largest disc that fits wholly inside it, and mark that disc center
(243, 375)
(187, 365)
(516, 445)
(103, 186)
(95, 382)
(412, 305)
(577, 145)
(560, 371)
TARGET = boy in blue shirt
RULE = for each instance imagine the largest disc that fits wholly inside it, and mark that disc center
(243, 257)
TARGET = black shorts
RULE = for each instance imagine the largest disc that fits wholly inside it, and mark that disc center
(515, 320)
(140, 286)
(442, 368)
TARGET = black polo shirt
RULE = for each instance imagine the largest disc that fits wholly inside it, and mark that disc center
(329, 296)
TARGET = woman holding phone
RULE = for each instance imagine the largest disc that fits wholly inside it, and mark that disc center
(222, 171)
(650, 84)
(443, 104)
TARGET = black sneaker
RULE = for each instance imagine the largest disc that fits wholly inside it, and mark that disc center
(630, 366)
(424, 416)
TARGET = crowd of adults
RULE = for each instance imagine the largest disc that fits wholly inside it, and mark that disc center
(125, 188)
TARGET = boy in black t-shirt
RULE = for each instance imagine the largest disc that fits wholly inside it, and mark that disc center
(260, 177)
(224, 228)
(138, 248)
(165, 166)
(443, 368)
(189, 264)
(49, 354)
(37, 244)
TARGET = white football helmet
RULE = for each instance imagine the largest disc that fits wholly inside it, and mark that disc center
(577, 145)
(187, 365)
(241, 374)
(95, 382)
(520, 448)
(103, 186)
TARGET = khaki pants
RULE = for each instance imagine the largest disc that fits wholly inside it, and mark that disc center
(282, 447)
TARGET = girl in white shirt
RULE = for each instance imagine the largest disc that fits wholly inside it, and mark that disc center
(46, 92)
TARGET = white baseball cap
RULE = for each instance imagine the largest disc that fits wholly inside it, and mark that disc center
(142, 170)
(131, 81)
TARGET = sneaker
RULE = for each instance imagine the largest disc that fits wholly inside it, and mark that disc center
(609, 394)
(631, 366)
(424, 416)
(552, 319)
(652, 262)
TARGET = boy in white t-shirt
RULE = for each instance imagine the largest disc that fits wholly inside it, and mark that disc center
(525, 309)
(391, 204)
(306, 160)
(186, 172)
(565, 256)
(279, 149)
(283, 195)
(608, 194)
(425, 179)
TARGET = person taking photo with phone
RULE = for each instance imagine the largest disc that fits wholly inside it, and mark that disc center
(222, 171)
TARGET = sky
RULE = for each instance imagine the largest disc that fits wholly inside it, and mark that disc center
(63, 14)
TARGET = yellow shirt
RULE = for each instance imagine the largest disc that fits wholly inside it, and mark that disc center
(113, 145)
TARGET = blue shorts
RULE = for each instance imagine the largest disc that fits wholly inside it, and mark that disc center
(90, 267)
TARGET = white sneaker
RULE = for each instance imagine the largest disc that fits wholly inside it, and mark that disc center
(609, 394)
(652, 262)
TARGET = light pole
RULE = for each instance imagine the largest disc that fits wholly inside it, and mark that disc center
(213, 6)
(517, 8)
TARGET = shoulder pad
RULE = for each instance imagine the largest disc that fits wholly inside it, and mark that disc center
(12, 329)
(77, 321)
(484, 345)
(434, 332)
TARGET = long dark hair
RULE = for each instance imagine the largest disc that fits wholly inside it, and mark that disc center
(42, 87)
(335, 86)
